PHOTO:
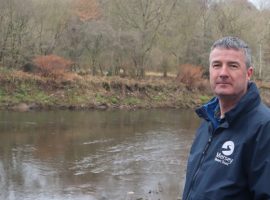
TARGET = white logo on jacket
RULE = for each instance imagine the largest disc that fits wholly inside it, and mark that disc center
(227, 150)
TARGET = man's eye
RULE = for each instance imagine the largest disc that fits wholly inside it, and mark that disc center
(234, 66)
(216, 66)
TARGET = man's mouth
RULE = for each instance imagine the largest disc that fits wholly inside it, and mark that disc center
(223, 83)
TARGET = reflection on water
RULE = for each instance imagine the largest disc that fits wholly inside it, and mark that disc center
(94, 155)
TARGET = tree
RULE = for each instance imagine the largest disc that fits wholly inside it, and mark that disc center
(98, 42)
(179, 35)
(262, 44)
(50, 20)
(142, 19)
(231, 17)
(14, 20)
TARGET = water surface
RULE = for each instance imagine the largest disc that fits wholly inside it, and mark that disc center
(94, 155)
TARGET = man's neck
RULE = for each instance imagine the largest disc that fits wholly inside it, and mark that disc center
(226, 105)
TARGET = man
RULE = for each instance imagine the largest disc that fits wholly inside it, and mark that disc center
(230, 156)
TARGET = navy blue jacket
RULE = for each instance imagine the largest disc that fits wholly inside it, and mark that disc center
(230, 158)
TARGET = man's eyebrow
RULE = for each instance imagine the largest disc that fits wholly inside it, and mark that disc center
(233, 62)
(215, 61)
(229, 62)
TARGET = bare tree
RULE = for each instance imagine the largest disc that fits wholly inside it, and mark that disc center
(97, 43)
(143, 19)
(50, 22)
(14, 20)
(181, 30)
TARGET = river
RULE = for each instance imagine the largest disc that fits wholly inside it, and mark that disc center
(94, 155)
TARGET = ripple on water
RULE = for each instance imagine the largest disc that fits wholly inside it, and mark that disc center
(97, 141)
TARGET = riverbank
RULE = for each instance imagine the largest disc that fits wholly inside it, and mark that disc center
(23, 91)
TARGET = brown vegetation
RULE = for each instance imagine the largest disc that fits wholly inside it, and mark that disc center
(192, 77)
(52, 65)
(87, 9)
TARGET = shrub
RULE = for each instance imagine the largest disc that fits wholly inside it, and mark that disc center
(190, 75)
(52, 65)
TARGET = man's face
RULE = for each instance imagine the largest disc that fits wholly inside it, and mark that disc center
(228, 73)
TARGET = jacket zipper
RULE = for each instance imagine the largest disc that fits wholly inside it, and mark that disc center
(199, 165)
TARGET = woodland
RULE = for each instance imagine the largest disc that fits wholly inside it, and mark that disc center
(130, 37)
(122, 53)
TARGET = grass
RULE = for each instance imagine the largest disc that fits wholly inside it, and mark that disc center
(92, 91)
(132, 101)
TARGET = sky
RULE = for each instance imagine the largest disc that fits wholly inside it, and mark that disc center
(255, 2)
(260, 3)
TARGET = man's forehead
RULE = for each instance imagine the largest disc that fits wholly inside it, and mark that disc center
(225, 53)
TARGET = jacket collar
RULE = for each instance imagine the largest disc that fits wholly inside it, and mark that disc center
(250, 100)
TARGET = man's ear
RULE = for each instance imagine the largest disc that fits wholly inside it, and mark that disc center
(250, 71)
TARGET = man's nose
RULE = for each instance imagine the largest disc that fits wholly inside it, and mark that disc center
(224, 71)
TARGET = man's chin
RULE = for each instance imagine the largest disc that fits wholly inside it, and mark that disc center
(224, 93)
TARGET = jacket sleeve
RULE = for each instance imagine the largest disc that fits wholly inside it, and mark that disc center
(259, 169)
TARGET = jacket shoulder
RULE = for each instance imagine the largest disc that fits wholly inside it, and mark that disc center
(262, 113)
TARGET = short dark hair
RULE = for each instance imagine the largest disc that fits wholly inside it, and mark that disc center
(234, 43)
